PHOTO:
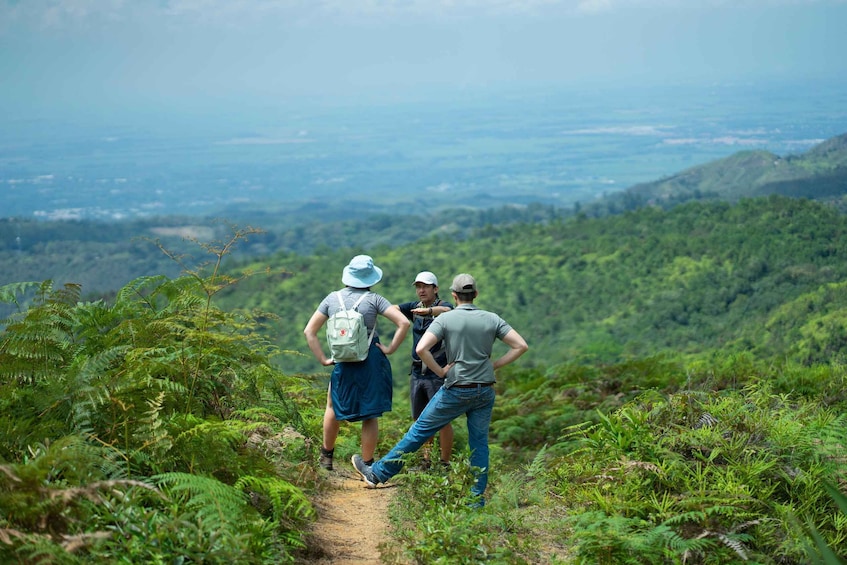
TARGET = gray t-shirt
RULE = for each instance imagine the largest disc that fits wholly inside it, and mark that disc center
(370, 306)
(469, 334)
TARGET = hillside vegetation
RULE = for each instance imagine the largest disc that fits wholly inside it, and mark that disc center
(683, 402)
(763, 276)
(103, 256)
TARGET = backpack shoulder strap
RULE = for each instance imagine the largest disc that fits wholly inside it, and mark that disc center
(356, 305)
(373, 331)
(341, 300)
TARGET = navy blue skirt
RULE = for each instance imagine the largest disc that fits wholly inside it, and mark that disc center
(362, 390)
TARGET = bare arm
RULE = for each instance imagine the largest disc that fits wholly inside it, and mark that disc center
(427, 341)
(433, 311)
(517, 347)
(394, 314)
(315, 323)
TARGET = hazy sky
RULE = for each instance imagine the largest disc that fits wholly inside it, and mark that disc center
(55, 52)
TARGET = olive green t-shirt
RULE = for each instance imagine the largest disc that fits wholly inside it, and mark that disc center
(469, 334)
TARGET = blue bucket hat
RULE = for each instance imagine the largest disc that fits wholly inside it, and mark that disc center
(361, 272)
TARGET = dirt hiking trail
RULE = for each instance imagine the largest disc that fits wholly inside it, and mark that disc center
(352, 520)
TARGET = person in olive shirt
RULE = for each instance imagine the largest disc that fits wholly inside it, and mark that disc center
(424, 383)
(468, 333)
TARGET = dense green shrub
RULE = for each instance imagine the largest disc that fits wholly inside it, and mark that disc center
(151, 430)
(705, 478)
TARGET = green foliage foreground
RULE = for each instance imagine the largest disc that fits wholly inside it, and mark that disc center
(151, 430)
(697, 478)
(727, 468)
(157, 429)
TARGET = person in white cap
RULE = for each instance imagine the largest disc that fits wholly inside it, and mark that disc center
(423, 382)
(469, 334)
(359, 391)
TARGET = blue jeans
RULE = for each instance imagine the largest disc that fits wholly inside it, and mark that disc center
(448, 404)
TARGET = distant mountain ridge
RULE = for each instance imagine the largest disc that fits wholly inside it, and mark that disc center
(818, 174)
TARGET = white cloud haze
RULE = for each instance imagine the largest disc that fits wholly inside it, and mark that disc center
(54, 50)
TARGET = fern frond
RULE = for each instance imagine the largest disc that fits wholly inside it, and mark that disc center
(230, 431)
(833, 440)
(42, 549)
(288, 503)
(143, 290)
(538, 466)
(694, 516)
(734, 545)
(218, 503)
(681, 545)
(90, 368)
(41, 343)
(13, 292)
(723, 510)
(69, 294)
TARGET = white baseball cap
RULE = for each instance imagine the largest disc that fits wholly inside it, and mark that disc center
(426, 277)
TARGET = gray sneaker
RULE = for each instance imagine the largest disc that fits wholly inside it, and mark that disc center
(365, 470)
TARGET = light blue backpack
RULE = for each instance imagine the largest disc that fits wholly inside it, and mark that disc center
(346, 333)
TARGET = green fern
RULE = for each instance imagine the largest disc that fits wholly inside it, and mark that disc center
(18, 293)
(95, 398)
(288, 504)
(219, 504)
(818, 550)
(538, 466)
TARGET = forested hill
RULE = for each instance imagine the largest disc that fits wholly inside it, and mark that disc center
(820, 173)
(763, 275)
(102, 257)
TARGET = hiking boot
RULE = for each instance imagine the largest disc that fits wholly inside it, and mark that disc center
(365, 470)
(326, 458)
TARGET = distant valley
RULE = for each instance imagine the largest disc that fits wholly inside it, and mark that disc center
(474, 149)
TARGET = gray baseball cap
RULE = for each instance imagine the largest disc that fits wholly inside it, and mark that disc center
(463, 283)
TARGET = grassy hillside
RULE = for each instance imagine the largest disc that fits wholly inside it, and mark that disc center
(685, 282)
